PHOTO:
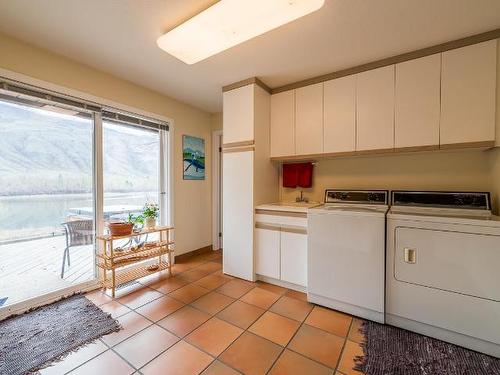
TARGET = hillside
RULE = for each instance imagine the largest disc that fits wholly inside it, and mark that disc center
(43, 153)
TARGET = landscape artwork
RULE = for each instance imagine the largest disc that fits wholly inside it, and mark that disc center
(193, 150)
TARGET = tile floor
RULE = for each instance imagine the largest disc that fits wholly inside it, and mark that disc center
(201, 321)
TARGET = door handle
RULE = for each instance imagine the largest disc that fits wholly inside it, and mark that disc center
(410, 255)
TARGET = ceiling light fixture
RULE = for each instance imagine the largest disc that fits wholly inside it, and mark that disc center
(231, 22)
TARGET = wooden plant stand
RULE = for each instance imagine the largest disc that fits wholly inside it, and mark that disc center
(114, 263)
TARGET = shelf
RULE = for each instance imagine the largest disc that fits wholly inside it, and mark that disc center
(125, 276)
(156, 229)
(131, 258)
(122, 254)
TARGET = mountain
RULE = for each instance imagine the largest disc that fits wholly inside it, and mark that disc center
(43, 152)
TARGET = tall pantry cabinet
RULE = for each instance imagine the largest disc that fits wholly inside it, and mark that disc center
(249, 177)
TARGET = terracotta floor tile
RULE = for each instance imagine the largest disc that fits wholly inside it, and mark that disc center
(212, 302)
(214, 336)
(318, 345)
(182, 267)
(251, 354)
(144, 346)
(354, 333)
(98, 297)
(211, 281)
(194, 274)
(351, 350)
(222, 274)
(241, 314)
(219, 368)
(297, 295)
(180, 359)
(210, 267)
(159, 308)
(235, 288)
(290, 363)
(271, 287)
(75, 359)
(115, 308)
(329, 320)
(189, 293)
(139, 297)
(275, 327)
(260, 297)
(108, 363)
(169, 285)
(155, 278)
(131, 323)
(292, 308)
(184, 320)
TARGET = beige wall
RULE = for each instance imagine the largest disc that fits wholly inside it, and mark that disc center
(464, 170)
(192, 199)
(216, 121)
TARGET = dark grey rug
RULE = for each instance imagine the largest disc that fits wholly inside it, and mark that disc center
(30, 341)
(394, 351)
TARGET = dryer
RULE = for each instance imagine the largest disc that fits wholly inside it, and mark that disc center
(443, 267)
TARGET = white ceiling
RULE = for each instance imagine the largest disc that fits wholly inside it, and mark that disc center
(119, 37)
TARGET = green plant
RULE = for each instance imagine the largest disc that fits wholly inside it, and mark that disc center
(151, 210)
(139, 219)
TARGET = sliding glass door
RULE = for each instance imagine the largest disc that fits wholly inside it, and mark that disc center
(46, 174)
(67, 168)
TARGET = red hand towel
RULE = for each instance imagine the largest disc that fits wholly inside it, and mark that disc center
(305, 172)
(290, 175)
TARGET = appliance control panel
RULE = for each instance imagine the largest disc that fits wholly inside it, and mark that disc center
(357, 196)
(442, 199)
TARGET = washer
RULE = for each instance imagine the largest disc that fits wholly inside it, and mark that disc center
(443, 267)
(346, 252)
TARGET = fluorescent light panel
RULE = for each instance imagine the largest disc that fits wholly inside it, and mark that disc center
(231, 22)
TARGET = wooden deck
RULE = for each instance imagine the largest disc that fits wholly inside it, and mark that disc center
(31, 268)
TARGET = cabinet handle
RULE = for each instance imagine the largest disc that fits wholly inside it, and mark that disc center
(410, 255)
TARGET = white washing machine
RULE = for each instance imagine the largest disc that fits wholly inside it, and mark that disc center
(346, 252)
(443, 267)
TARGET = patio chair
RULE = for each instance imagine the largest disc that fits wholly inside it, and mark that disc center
(78, 233)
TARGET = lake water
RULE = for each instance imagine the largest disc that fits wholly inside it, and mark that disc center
(25, 216)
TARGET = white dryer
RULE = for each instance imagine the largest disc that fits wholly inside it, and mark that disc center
(346, 252)
(443, 267)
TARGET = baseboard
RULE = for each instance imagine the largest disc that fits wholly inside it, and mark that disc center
(190, 254)
(284, 284)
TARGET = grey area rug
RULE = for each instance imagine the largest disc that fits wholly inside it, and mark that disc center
(394, 351)
(31, 341)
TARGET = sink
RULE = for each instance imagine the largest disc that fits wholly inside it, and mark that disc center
(296, 204)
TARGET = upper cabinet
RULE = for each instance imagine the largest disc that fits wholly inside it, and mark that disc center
(283, 124)
(375, 109)
(238, 115)
(309, 120)
(340, 115)
(445, 100)
(418, 102)
(468, 94)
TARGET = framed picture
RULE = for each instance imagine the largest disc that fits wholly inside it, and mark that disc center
(193, 155)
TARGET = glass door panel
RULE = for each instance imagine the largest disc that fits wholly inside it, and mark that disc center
(46, 200)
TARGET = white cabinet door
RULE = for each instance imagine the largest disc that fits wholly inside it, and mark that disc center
(375, 109)
(294, 257)
(283, 124)
(340, 115)
(468, 94)
(267, 252)
(238, 114)
(309, 120)
(237, 203)
(417, 112)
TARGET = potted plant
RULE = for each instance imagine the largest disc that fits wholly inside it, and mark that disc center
(150, 213)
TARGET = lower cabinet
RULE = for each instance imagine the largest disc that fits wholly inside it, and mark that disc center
(267, 252)
(281, 253)
(294, 257)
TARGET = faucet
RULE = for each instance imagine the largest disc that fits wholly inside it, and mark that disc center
(301, 198)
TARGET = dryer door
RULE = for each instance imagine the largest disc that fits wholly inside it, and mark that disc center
(465, 263)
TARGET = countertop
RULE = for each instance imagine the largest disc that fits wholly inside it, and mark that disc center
(288, 206)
